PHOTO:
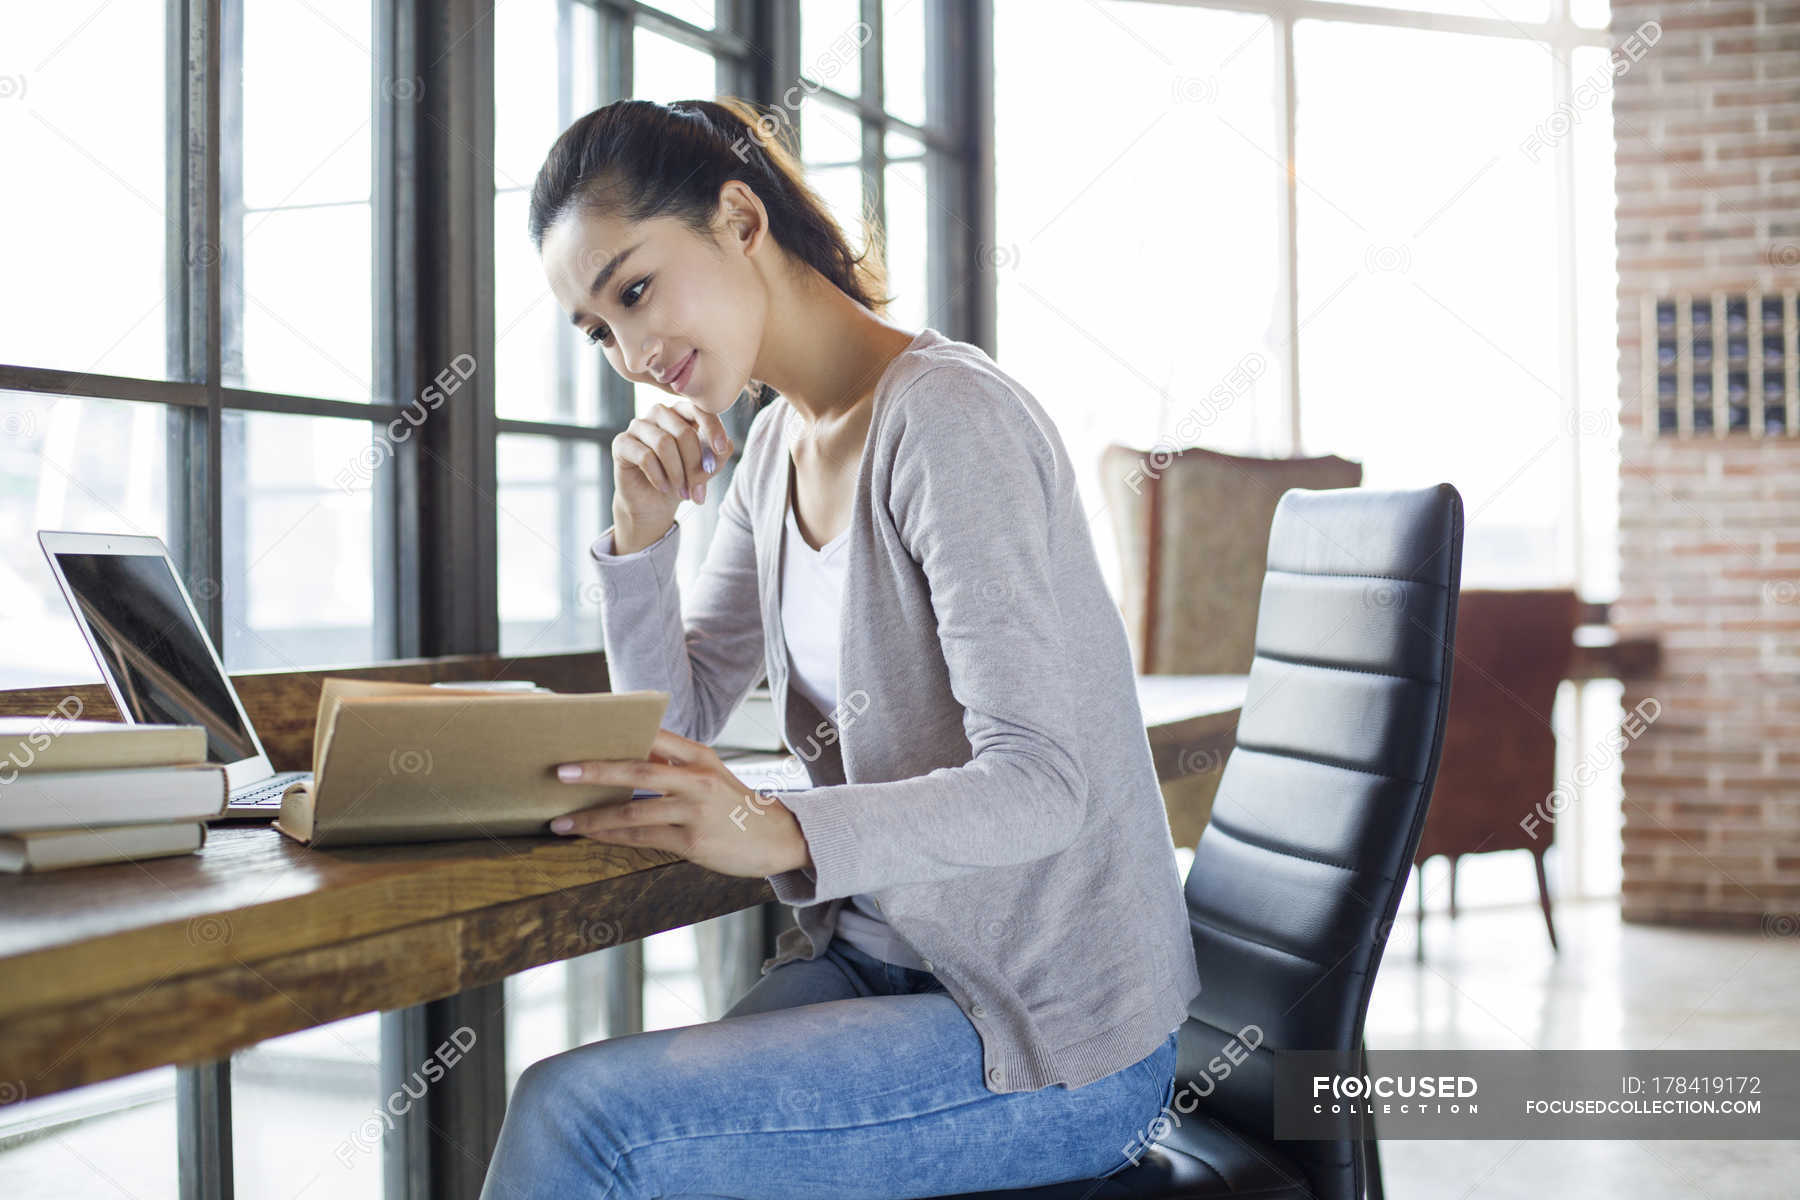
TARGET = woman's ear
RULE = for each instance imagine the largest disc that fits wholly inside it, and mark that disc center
(745, 219)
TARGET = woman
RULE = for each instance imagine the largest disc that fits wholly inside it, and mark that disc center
(992, 952)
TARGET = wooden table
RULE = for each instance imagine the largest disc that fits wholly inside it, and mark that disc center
(118, 968)
(111, 969)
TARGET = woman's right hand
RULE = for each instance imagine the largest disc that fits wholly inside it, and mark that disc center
(658, 455)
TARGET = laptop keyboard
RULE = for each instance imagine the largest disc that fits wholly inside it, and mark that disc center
(264, 795)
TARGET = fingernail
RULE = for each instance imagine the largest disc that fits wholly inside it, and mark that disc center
(721, 444)
(707, 461)
(700, 493)
(568, 771)
(684, 492)
(562, 825)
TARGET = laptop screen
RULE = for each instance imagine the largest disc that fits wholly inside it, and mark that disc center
(153, 649)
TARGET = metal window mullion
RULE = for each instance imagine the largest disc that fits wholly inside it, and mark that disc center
(192, 67)
(397, 560)
(457, 503)
(618, 402)
(233, 472)
(559, 429)
(979, 322)
(874, 96)
(1563, 35)
(721, 40)
(1287, 241)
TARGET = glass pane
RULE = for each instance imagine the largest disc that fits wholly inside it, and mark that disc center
(309, 1106)
(695, 12)
(299, 499)
(1597, 326)
(903, 59)
(831, 39)
(902, 145)
(85, 168)
(829, 134)
(68, 462)
(549, 514)
(666, 70)
(306, 243)
(1428, 282)
(89, 1141)
(907, 260)
(307, 296)
(544, 371)
(1595, 14)
(528, 44)
(1137, 281)
(842, 190)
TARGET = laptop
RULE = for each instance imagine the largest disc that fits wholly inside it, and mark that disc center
(157, 661)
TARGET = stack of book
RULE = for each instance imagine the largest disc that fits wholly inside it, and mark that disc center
(75, 792)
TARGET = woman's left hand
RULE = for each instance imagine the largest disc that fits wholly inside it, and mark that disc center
(705, 813)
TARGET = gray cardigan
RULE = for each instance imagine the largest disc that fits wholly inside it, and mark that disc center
(987, 776)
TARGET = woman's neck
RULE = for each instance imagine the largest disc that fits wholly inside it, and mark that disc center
(824, 352)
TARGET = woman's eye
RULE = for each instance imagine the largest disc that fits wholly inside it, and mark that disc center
(630, 296)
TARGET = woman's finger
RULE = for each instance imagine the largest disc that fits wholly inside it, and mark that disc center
(689, 451)
(712, 431)
(631, 449)
(666, 445)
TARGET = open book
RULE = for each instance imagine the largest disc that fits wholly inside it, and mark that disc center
(400, 762)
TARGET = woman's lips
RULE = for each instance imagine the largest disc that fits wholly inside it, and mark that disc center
(679, 380)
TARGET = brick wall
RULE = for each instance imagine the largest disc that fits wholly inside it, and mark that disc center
(1708, 132)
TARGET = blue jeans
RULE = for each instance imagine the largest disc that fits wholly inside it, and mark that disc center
(837, 1077)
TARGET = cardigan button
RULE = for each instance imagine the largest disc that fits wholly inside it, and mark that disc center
(975, 1010)
(996, 1075)
(926, 964)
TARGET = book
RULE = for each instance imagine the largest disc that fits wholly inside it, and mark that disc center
(400, 762)
(56, 743)
(54, 849)
(113, 796)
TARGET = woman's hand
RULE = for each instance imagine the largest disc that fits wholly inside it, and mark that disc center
(662, 458)
(705, 813)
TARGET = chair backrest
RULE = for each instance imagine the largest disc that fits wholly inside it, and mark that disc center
(1295, 882)
(1193, 534)
(1495, 783)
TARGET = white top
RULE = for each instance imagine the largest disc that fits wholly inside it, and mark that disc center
(812, 591)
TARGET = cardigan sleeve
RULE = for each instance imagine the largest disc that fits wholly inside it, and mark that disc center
(977, 494)
(705, 649)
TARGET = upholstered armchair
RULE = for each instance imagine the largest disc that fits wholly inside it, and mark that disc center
(1193, 534)
(1494, 785)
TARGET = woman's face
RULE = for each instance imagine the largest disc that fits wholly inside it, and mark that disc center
(664, 295)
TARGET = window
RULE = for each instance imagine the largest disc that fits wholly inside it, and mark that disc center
(1453, 299)
(1428, 281)
(313, 351)
(876, 141)
(1138, 250)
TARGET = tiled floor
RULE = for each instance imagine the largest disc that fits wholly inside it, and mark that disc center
(1490, 980)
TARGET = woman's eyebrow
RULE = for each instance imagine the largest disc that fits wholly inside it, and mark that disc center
(605, 274)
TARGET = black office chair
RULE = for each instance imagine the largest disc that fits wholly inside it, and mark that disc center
(1295, 883)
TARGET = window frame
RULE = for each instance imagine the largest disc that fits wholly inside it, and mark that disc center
(432, 298)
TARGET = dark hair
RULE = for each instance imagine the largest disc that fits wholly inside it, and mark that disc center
(639, 159)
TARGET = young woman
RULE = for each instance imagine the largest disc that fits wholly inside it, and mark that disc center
(992, 953)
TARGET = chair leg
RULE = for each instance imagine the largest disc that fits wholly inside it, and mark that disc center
(1373, 1187)
(1419, 893)
(1453, 861)
(1537, 859)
